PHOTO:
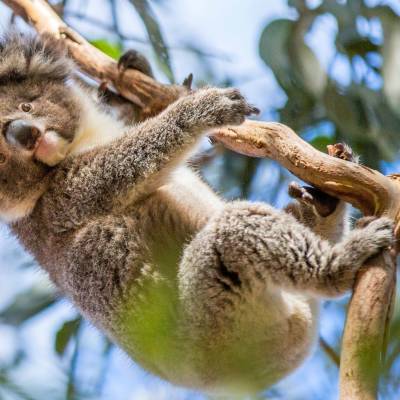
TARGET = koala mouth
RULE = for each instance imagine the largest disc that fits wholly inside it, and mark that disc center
(51, 148)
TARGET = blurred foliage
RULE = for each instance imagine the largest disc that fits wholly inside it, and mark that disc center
(153, 29)
(365, 110)
(113, 50)
(65, 334)
(27, 304)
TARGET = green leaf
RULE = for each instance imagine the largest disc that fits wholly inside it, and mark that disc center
(273, 49)
(346, 110)
(65, 334)
(363, 117)
(155, 35)
(391, 58)
(308, 69)
(28, 304)
(294, 64)
(320, 142)
(113, 50)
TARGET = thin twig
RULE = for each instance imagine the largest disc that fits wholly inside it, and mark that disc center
(330, 352)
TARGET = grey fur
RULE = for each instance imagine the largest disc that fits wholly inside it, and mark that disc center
(31, 56)
(216, 296)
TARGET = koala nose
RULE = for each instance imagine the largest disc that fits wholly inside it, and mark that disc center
(22, 133)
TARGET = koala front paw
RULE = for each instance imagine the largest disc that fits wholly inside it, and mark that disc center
(214, 107)
(378, 234)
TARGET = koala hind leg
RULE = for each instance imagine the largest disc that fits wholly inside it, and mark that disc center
(250, 246)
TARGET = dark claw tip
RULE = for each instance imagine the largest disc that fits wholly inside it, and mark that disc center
(187, 82)
(254, 110)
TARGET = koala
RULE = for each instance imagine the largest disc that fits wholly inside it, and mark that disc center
(209, 294)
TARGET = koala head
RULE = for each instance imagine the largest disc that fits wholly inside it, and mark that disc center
(39, 117)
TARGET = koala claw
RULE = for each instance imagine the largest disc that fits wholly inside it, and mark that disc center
(300, 193)
(218, 107)
(239, 102)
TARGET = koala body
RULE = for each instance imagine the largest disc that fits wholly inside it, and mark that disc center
(213, 295)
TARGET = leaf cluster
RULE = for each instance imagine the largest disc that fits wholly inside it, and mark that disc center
(361, 105)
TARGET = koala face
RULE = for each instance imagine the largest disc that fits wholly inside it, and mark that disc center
(39, 118)
(38, 121)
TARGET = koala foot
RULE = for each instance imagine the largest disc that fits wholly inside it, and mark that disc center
(375, 235)
(343, 151)
(132, 59)
(361, 244)
(364, 221)
(214, 107)
(323, 204)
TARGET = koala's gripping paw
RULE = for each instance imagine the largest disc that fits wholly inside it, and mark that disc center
(362, 244)
(343, 151)
(377, 235)
(323, 204)
(217, 107)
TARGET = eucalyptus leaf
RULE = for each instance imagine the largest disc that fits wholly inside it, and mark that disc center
(274, 50)
(321, 142)
(112, 49)
(346, 110)
(155, 35)
(28, 304)
(391, 60)
(308, 69)
(295, 66)
(65, 334)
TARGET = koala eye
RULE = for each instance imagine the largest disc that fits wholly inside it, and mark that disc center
(26, 107)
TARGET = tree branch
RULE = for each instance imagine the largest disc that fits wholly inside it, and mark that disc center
(140, 89)
(363, 343)
(366, 189)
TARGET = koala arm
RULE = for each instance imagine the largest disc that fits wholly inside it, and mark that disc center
(146, 152)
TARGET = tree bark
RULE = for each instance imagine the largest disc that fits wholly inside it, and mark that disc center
(363, 342)
(368, 190)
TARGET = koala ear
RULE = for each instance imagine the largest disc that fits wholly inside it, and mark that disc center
(49, 57)
(30, 56)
